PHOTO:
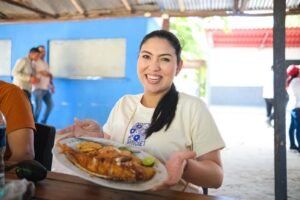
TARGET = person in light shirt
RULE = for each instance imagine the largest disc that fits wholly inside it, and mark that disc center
(293, 89)
(23, 72)
(43, 88)
(176, 128)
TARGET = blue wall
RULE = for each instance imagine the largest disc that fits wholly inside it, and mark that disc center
(83, 98)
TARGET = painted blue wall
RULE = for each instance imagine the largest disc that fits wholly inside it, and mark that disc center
(83, 98)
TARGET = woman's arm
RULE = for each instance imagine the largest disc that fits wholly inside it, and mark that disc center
(205, 171)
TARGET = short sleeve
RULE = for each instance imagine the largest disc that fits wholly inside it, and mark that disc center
(205, 134)
(17, 110)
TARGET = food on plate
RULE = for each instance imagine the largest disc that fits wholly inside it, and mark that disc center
(108, 162)
(87, 146)
(148, 161)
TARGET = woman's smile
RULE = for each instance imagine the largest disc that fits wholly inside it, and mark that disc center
(153, 79)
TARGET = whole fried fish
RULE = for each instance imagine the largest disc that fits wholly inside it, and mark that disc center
(107, 162)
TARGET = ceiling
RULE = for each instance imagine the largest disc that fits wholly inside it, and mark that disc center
(12, 11)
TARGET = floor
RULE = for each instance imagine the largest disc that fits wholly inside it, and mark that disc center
(248, 158)
(249, 155)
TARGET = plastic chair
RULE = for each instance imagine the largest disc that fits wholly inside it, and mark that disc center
(43, 144)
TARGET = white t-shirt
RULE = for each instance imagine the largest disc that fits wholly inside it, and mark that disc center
(294, 94)
(44, 82)
(192, 128)
(268, 89)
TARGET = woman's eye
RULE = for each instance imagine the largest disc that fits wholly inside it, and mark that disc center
(165, 59)
(146, 56)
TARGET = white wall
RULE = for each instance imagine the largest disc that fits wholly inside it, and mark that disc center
(292, 54)
(88, 58)
(236, 75)
(5, 57)
(242, 67)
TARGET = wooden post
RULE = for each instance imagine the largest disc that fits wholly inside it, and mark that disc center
(279, 100)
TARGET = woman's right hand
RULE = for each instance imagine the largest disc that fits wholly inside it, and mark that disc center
(80, 128)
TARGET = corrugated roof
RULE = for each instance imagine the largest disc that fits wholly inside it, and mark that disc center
(24, 10)
(258, 38)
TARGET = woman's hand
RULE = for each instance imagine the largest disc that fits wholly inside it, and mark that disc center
(80, 128)
(175, 168)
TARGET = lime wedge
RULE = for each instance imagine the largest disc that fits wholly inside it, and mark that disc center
(148, 161)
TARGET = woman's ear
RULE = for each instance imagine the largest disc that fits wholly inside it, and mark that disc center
(179, 67)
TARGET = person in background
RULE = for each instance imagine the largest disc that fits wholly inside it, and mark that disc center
(268, 95)
(175, 127)
(24, 74)
(41, 89)
(20, 124)
(293, 89)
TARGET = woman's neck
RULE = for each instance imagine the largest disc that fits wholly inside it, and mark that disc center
(151, 100)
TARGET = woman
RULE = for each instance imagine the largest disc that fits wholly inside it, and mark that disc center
(293, 88)
(175, 127)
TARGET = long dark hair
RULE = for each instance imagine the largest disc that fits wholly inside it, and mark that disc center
(165, 110)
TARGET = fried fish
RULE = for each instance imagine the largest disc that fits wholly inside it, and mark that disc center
(107, 162)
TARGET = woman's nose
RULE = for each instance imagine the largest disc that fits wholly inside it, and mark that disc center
(154, 65)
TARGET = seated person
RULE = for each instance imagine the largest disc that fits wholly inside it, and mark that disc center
(20, 124)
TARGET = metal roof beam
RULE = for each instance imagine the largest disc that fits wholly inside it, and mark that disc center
(36, 10)
(77, 6)
(3, 16)
(126, 5)
(236, 7)
(181, 5)
(243, 5)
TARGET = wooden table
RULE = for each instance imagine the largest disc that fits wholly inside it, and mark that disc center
(60, 186)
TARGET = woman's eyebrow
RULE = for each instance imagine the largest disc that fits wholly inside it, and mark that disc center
(164, 54)
(144, 51)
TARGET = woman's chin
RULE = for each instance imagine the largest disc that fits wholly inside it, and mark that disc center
(154, 91)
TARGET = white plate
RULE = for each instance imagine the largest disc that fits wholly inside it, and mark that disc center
(159, 177)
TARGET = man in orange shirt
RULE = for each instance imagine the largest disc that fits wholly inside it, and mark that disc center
(20, 124)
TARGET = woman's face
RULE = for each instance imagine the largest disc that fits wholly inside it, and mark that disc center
(157, 66)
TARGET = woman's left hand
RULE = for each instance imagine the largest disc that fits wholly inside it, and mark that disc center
(175, 166)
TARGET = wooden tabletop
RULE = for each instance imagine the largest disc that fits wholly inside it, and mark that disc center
(60, 186)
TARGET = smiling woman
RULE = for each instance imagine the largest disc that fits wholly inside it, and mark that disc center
(174, 127)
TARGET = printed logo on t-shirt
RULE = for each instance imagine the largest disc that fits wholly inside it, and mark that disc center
(137, 134)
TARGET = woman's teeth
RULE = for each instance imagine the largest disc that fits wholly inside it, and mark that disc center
(153, 77)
